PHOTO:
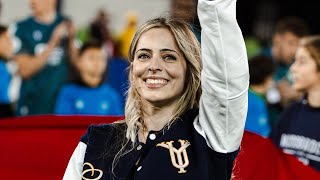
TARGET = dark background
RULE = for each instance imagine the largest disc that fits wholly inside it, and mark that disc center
(249, 12)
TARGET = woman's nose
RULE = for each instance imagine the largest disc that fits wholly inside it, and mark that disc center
(154, 68)
(155, 65)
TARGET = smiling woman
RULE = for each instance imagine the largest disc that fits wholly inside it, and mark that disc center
(158, 56)
(158, 73)
(168, 130)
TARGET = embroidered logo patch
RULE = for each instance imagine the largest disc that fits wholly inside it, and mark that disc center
(96, 174)
(182, 160)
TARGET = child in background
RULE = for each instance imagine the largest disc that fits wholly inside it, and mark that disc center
(88, 94)
(9, 78)
(261, 71)
(297, 131)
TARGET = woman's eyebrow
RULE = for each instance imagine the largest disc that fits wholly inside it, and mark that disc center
(144, 49)
(171, 50)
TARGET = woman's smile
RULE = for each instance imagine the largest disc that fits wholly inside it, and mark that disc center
(155, 83)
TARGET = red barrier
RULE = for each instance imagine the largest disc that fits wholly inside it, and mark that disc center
(39, 147)
(259, 159)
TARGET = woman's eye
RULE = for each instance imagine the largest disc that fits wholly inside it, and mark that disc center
(169, 57)
(143, 56)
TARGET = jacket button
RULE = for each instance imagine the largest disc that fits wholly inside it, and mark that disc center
(152, 136)
(139, 168)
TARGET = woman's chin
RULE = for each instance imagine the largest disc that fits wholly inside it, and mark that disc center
(158, 101)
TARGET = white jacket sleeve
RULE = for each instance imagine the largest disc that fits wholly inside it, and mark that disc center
(225, 76)
(74, 168)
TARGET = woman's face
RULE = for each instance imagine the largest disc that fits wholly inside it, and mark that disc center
(159, 67)
(304, 71)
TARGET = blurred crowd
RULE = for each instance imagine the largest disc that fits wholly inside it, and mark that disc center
(48, 66)
(284, 91)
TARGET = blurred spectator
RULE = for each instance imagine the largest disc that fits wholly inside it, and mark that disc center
(99, 30)
(116, 72)
(127, 33)
(187, 11)
(297, 131)
(288, 32)
(88, 94)
(41, 57)
(261, 70)
(9, 78)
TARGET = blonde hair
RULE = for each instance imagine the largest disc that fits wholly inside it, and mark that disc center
(190, 47)
(312, 45)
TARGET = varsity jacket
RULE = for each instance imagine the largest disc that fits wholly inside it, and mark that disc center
(204, 142)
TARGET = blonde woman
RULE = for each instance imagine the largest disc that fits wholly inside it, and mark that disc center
(297, 131)
(169, 132)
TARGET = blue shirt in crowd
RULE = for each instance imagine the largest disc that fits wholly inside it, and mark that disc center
(257, 116)
(5, 78)
(78, 99)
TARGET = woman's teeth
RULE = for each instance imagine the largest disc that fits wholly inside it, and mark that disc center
(156, 81)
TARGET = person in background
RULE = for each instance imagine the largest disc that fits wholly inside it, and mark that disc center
(41, 47)
(117, 68)
(9, 77)
(261, 70)
(99, 30)
(286, 37)
(88, 94)
(182, 121)
(297, 131)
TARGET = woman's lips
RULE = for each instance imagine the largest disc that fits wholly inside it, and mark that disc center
(155, 82)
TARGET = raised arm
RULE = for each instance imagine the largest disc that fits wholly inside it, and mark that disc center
(225, 76)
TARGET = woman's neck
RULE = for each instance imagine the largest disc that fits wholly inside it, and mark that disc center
(155, 118)
(314, 96)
